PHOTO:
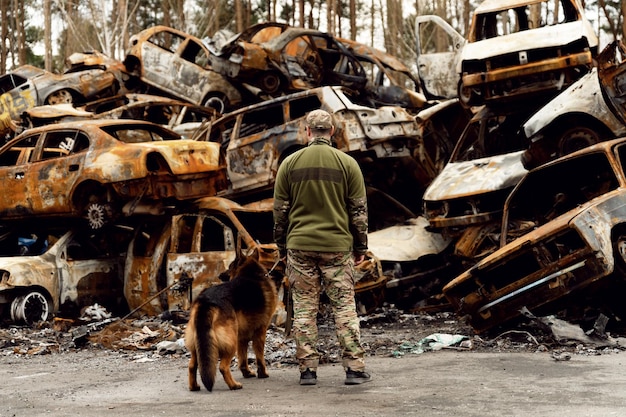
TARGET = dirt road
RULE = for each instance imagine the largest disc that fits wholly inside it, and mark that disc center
(442, 383)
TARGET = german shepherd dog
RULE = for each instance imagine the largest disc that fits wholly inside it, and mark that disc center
(223, 320)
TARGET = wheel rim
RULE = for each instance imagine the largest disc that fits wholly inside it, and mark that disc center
(578, 139)
(96, 215)
(60, 97)
(620, 248)
(216, 103)
(30, 308)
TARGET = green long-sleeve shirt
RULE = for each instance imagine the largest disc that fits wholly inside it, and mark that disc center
(320, 202)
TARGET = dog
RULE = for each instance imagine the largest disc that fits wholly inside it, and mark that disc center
(224, 318)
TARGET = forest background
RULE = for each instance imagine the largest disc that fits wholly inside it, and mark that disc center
(45, 32)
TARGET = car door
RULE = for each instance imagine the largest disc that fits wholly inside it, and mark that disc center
(190, 66)
(54, 168)
(16, 95)
(439, 48)
(201, 248)
(158, 55)
(15, 198)
(90, 271)
(253, 148)
(612, 76)
(144, 278)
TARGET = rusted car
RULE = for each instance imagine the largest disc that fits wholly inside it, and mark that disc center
(466, 199)
(278, 58)
(172, 259)
(390, 81)
(255, 139)
(571, 235)
(63, 271)
(589, 111)
(515, 49)
(182, 117)
(101, 168)
(177, 64)
(28, 86)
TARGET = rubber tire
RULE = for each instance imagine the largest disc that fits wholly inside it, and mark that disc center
(577, 138)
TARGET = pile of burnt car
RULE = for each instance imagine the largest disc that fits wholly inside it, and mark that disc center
(181, 195)
(106, 203)
(545, 240)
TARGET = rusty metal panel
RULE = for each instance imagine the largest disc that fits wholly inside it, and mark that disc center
(143, 269)
(203, 269)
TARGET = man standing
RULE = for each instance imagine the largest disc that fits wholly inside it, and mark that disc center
(320, 224)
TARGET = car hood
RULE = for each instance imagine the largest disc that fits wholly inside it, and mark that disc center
(480, 176)
(27, 270)
(545, 37)
(582, 97)
(406, 242)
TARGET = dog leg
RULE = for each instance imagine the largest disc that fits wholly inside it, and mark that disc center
(193, 369)
(242, 358)
(258, 344)
(225, 371)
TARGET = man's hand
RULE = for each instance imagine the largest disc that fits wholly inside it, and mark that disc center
(358, 258)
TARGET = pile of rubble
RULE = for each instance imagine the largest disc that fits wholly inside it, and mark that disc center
(388, 332)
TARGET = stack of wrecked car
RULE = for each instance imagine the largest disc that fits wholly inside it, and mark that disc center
(569, 237)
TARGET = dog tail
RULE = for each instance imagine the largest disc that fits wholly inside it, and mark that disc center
(204, 343)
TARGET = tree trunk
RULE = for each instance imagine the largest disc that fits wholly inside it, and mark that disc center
(238, 15)
(4, 15)
(301, 13)
(21, 32)
(353, 27)
(47, 33)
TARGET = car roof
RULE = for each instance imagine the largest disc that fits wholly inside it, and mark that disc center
(488, 6)
(96, 122)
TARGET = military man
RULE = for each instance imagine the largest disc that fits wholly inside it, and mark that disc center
(320, 225)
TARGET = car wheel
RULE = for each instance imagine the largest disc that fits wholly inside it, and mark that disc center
(60, 97)
(30, 308)
(619, 254)
(467, 96)
(577, 138)
(96, 215)
(270, 83)
(217, 102)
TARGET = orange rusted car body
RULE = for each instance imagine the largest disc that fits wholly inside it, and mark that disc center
(93, 167)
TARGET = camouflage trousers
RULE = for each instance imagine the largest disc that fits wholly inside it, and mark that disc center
(309, 272)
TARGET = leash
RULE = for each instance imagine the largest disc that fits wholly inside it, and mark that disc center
(273, 267)
(287, 302)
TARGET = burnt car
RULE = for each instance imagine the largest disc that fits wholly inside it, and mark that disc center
(589, 111)
(180, 116)
(175, 63)
(101, 168)
(390, 81)
(515, 50)
(466, 199)
(573, 237)
(278, 59)
(256, 139)
(61, 271)
(172, 259)
(28, 86)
